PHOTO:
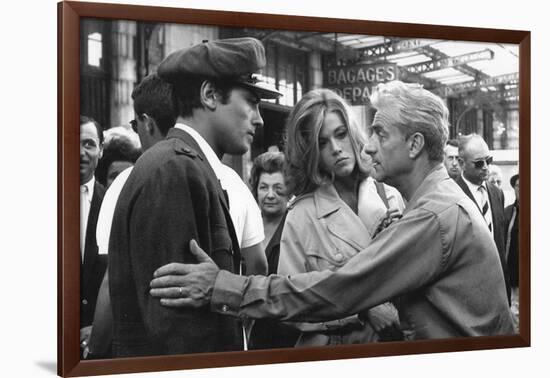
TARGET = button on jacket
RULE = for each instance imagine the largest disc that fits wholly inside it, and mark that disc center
(438, 261)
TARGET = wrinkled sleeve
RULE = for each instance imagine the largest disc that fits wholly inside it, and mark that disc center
(164, 220)
(403, 257)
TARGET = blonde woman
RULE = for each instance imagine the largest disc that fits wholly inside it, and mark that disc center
(337, 210)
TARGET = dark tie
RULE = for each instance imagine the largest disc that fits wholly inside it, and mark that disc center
(485, 207)
(509, 232)
(84, 209)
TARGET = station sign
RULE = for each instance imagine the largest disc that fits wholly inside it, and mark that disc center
(356, 82)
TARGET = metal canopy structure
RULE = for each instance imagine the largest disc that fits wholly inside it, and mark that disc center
(449, 68)
(456, 69)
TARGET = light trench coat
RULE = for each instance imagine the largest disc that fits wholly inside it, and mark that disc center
(322, 232)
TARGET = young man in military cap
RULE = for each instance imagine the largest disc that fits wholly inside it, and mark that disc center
(173, 195)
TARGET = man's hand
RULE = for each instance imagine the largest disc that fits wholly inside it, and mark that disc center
(85, 333)
(383, 317)
(391, 216)
(385, 321)
(186, 285)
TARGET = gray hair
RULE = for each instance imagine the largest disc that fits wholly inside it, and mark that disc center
(268, 162)
(415, 110)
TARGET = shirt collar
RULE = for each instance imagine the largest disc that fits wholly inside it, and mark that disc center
(208, 152)
(327, 200)
(473, 187)
(90, 186)
(437, 174)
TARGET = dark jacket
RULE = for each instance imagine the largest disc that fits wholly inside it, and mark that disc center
(496, 200)
(93, 267)
(273, 248)
(511, 213)
(171, 197)
(269, 333)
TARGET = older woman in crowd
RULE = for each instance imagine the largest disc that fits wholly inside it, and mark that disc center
(268, 186)
(269, 189)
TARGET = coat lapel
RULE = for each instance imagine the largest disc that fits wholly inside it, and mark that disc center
(493, 196)
(466, 190)
(371, 210)
(90, 245)
(341, 221)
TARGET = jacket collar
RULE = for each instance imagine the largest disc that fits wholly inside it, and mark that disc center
(343, 223)
(436, 175)
(205, 148)
(327, 200)
(192, 148)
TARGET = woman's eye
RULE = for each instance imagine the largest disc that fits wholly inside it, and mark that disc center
(342, 134)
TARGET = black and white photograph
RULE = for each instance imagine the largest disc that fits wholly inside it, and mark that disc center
(248, 189)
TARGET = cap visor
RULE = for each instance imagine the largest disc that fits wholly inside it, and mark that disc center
(263, 90)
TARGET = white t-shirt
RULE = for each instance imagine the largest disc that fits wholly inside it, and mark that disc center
(107, 211)
(245, 212)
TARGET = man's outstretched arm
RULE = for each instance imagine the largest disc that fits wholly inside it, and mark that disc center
(402, 258)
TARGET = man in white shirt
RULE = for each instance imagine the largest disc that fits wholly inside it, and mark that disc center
(452, 159)
(92, 266)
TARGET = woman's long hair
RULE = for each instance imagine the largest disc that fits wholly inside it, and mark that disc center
(302, 140)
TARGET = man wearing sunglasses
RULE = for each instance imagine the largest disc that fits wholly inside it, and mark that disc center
(475, 161)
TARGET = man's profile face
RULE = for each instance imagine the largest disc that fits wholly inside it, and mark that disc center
(90, 151)
(236, 121)
(474, 161)
(452, 162)
(143, 127)
(388, 148)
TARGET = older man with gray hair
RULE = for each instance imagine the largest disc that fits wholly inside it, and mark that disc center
(438, 262)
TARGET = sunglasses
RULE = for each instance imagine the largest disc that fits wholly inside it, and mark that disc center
(133, 123)
(480, 163)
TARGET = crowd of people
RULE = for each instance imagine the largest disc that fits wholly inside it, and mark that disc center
(354, 234)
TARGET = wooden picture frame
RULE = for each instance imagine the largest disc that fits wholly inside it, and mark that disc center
(69, 16)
